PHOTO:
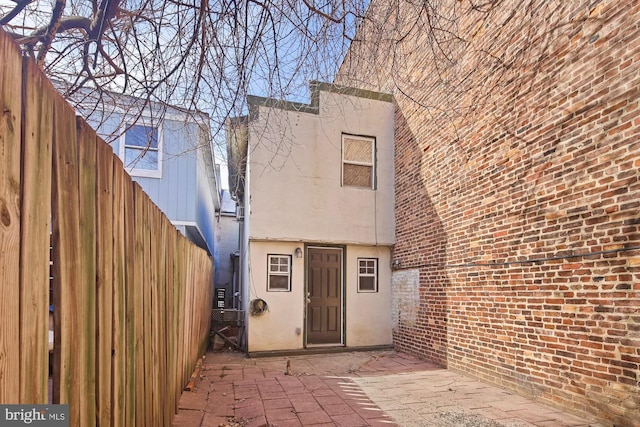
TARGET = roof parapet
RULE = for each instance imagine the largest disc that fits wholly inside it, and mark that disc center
(314, 106)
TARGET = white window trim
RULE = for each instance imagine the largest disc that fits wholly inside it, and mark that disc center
(142, 172)
(374, 275)
(352, 162)
(270, 273)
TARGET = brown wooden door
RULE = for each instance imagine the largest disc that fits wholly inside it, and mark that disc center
(324, 302)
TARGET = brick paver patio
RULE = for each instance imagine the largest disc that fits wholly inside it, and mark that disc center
(353, 389)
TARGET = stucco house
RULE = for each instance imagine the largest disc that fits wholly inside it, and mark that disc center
(167, 150)
(314, 185)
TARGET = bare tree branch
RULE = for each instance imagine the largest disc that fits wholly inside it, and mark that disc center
(206, 54)
(319, 12)
(19, 7)
(52, 29)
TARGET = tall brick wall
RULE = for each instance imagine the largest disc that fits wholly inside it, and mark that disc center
(517, 190)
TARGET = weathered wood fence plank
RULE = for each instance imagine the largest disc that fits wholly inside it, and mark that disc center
(179, 295)
(34, 255)
(171, 321)
(67, 270)
(119, 337)
(133, 321)
(152, 338)
(86, 288)
(10, 124)
(147, 340)
(170, 371)
(139, 277)
(105, 255)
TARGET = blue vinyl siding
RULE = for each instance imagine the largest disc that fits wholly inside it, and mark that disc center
(183, 193)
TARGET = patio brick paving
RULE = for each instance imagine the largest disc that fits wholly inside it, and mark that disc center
(353, 389)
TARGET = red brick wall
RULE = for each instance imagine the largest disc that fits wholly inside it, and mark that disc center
(518, 190)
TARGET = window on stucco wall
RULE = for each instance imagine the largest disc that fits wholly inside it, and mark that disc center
(367, 274)
(279, 273)
(358, 161)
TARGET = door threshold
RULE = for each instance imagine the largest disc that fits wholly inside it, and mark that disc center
(324, 345)
(322, 349)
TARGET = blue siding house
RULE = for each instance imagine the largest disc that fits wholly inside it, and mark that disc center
(167, 150)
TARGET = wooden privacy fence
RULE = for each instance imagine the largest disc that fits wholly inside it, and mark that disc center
(132, 297)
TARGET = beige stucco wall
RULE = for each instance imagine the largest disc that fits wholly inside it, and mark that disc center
(368, 315)
(275, 329)
(295, 165)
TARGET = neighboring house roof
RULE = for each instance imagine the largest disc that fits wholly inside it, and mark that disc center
(227, 205)
(93, 102)
(314, 106)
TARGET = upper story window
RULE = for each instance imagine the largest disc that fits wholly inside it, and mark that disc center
(279, 273)
(141, 150)
(358, 161)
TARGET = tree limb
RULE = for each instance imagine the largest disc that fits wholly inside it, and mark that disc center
(64, 24)
(52, 29)
(20, 5)
(321, 13)
(106, 11)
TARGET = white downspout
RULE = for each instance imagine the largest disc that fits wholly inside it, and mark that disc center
(245, 282)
